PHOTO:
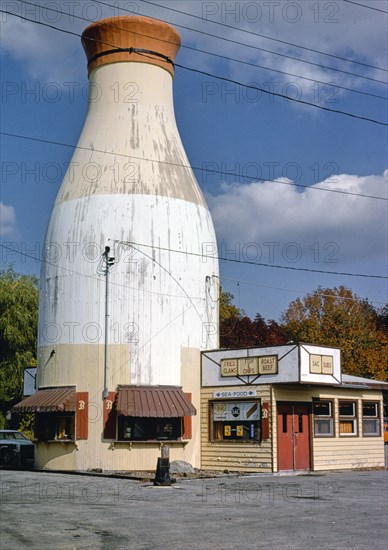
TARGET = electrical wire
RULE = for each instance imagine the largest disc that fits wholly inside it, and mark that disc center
(254, 263)
(191, 167)
(98, 279)
(259, 264)
(165, 270)
(302, 102)
(111, 282)
(254, 283)
(257, 34)
(328, 109)
(202, 256)
(227, 58)
(254, 47)
(364, 6)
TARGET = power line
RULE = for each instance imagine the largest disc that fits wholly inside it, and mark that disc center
(113, 283)
(302, 102)
(135, 246)
(345, 113)
(227, 58)
(249, 262)
(254, 283)
(191, 167)
(99, 280)
(285, 73)
(257, 47)
(168, 273)
(364, 6)
(257, 34)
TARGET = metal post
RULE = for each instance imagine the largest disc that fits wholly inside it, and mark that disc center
(162, 476)
(107, 264)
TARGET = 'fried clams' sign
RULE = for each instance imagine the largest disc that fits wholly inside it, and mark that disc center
(249, 366)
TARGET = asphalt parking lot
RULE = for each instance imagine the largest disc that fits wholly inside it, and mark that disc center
(42, 510)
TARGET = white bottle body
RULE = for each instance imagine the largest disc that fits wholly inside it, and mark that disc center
(129, 186)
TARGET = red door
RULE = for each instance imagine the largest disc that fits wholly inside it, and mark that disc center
(293, 436)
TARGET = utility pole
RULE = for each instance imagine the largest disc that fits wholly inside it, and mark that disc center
(109, 261)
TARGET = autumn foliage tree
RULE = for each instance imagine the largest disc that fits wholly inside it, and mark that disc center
(336, 317)
(238, 331)
(18, 334)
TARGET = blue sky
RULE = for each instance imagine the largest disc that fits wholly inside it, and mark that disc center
(249, 137)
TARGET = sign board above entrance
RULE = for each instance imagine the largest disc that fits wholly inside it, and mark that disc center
(236, 393)
(249, 366)
(321, 364)
(287, 364)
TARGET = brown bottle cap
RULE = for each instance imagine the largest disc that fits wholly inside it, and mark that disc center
(133, 31)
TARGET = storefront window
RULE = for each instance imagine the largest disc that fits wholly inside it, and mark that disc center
(323, 418)
(235, 421)
(55, 426)
(347, 418)
(148, 429)
(370, 418)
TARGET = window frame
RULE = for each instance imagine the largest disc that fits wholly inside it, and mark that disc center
(50, 423)
(213, 429)
(348, 418)
(324, 417)
(149, 425)
(376, 417)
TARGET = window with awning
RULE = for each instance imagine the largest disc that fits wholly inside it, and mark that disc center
(61, 413)
(147, 413)
(48, 400)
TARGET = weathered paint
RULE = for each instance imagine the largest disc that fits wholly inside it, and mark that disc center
(129, 186)
(109, 455)
(242, 457)
(333, 453)
(326, 453)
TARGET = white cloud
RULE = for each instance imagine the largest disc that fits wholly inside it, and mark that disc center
(337, 28)
(271, 212)
(44, 53)
(7, 220)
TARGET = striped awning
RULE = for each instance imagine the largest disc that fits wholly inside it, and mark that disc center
(153, 402)
(48, 400)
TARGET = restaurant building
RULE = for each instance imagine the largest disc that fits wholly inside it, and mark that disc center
(288, 408)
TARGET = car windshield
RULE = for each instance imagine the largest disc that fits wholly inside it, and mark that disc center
(12, 435)
(19, 435)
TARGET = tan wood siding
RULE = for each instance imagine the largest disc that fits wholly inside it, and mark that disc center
(338, 452)
(243, 457)
(98, 453)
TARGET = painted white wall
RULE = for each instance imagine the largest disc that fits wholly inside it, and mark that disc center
(160, 301)
(130, 181)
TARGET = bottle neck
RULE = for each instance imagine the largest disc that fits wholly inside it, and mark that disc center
(120, 86)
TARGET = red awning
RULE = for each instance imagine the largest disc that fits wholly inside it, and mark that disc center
(153, 402)
(48, 400)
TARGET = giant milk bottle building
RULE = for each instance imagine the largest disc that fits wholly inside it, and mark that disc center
(127, 300)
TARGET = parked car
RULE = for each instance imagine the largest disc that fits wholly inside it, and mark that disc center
(385, 430)
(16, 449)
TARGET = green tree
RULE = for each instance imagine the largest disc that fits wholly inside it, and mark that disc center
(18, 334)
(337, 317)
(227, 309)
